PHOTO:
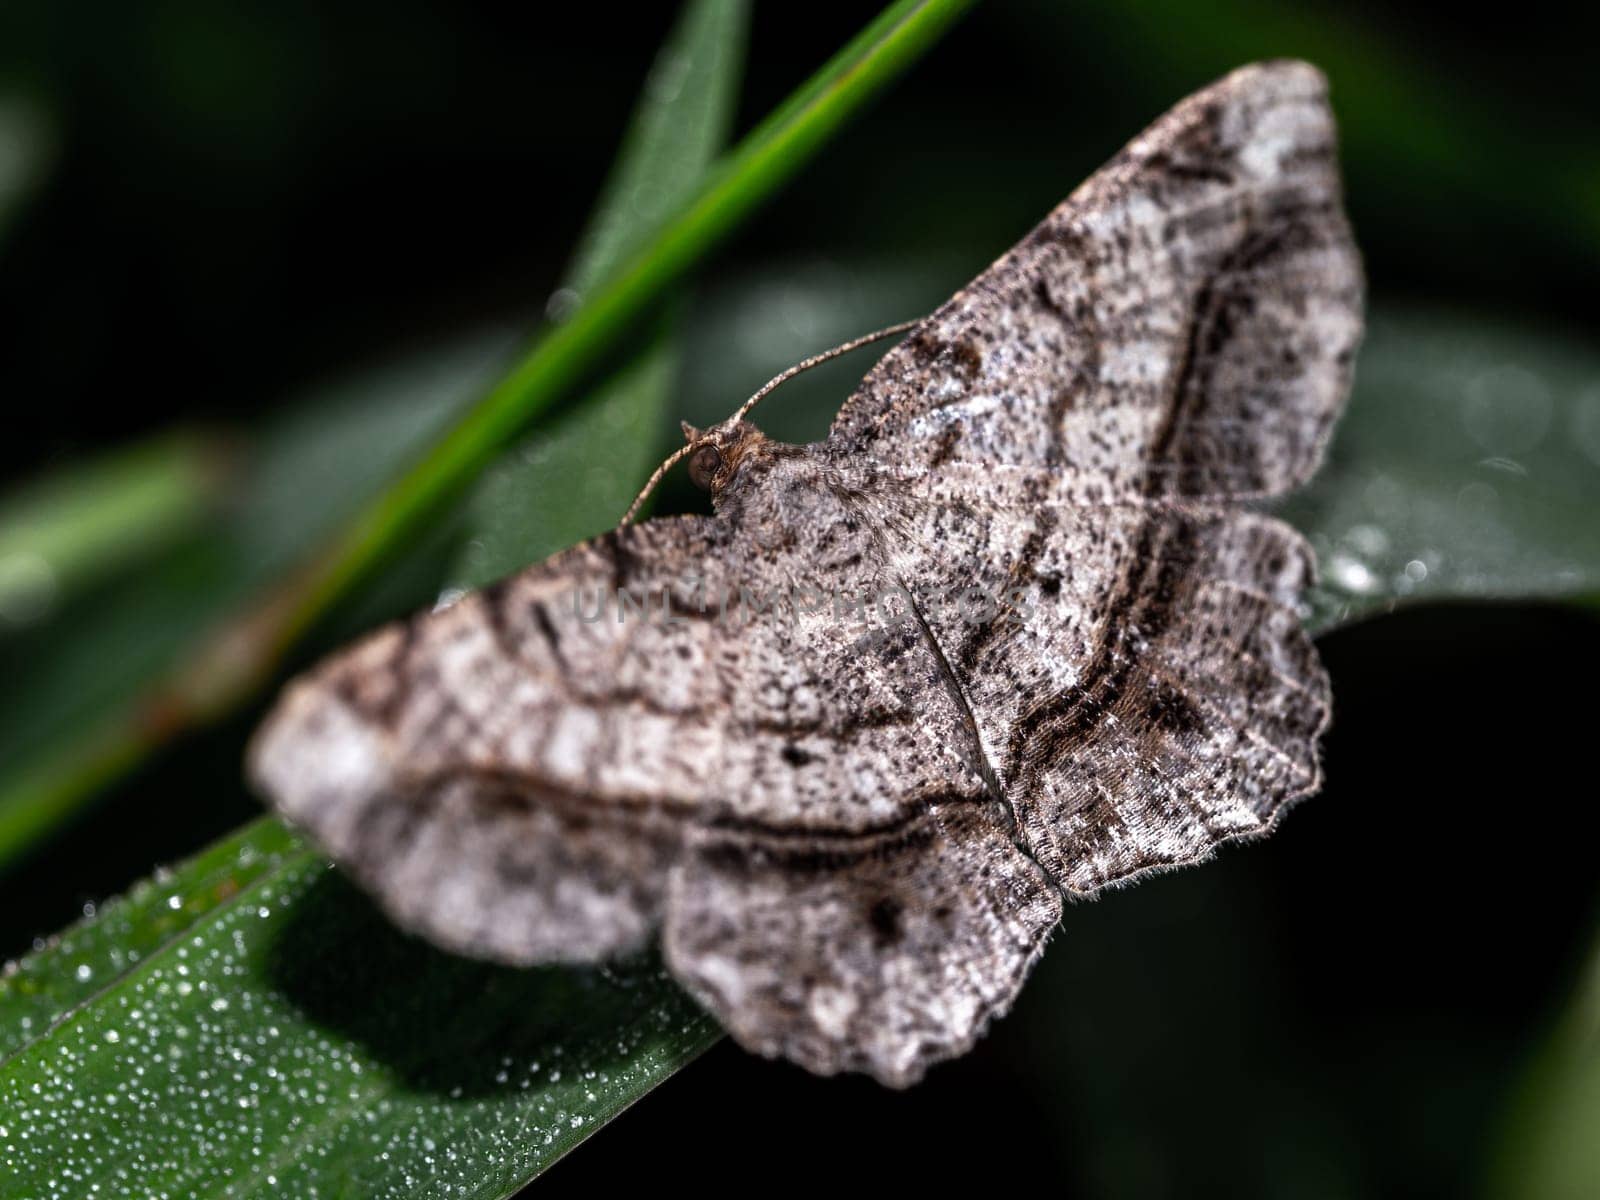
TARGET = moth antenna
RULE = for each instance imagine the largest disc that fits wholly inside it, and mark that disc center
(782, 377)
(816, 360)
(672, 460)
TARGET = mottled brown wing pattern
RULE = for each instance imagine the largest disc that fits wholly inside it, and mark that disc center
(883, 954)
(1146, 692)
(513, 778)
(1182, 326)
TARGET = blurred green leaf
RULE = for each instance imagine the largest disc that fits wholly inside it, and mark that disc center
(1467, 468)
(70, 529)
(1548, 1150)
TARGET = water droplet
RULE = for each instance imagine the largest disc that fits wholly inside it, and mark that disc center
(1351, 574)
(562, 304)
(667, 78)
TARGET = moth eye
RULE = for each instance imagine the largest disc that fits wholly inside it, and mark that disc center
(704, 464)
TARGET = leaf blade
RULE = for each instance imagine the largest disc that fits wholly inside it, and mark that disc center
(42, 987)
(245, 1031)
(1465, 469)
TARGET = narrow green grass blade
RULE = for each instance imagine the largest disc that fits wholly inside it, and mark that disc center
(766, 159)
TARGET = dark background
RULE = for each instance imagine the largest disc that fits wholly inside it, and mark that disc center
(247, 197)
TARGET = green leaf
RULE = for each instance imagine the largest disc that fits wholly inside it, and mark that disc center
(117, 936)
(1548, 1149)
(165, 687)
(292, 1041)
(71, 529)
(1467, 468)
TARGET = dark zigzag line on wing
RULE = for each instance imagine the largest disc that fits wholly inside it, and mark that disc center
(497, 787)
(1145, 598)
(1145, 602)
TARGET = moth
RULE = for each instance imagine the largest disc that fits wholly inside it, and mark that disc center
(854, 835)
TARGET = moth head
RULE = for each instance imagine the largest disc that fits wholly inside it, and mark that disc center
(715, 453)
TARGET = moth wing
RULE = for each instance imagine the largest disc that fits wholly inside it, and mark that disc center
(513, 776)
(1144, 690)
(1075, 427)
(1182, 326)
(882, 954)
